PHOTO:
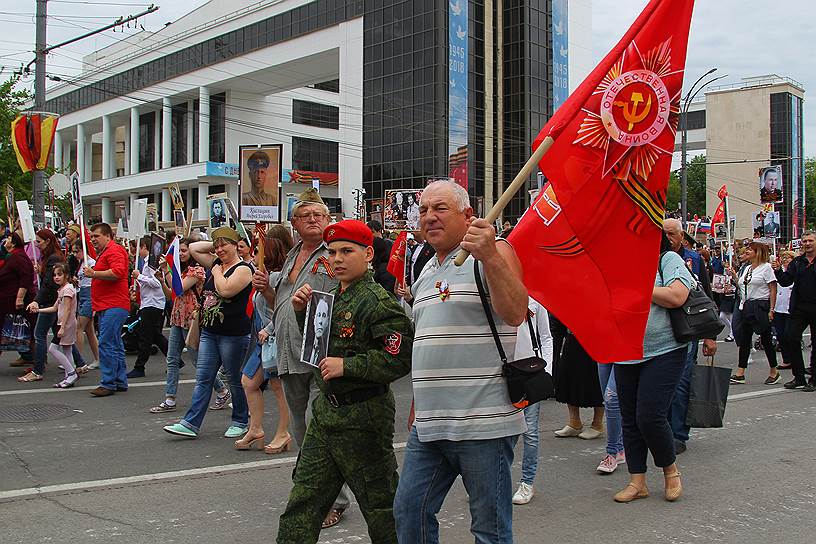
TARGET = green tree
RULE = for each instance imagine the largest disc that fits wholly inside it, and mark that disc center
(810, 192)
(11, 101)
(673, 193)
(696, 179)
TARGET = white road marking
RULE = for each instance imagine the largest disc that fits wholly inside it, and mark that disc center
(81, 388)
(762, 393)
(30, 492)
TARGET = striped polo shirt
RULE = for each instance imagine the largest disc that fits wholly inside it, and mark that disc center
(459, 392)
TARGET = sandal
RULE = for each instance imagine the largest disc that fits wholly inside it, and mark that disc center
(246, 444)
(65, 384)
(674, 493)
(272, 449)
(333, 517)
(163, 407)
(630, 493)
(30, 377)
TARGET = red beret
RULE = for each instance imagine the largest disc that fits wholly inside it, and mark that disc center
(350, 230)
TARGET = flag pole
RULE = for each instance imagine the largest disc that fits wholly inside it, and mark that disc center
(728, 233)
(512, 189)
(84, 245)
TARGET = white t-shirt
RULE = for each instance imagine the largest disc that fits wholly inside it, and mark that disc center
(783, 295)
(758, 280)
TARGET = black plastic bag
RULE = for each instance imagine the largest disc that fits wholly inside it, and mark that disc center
(707, 395)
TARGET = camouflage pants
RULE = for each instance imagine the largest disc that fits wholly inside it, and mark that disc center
(351, 444)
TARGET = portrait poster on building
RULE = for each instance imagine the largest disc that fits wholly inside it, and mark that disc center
(175, 196)
(259, 180)
(770, 184)
(317, 328)
(771, 225)
(217, 214)
(401, 209)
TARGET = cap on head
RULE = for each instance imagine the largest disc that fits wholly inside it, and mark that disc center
(349, 230)
(75, 229)
(310, 196)
(257, 160)
(225, 232)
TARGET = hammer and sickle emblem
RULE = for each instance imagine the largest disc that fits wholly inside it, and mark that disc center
(632, 115)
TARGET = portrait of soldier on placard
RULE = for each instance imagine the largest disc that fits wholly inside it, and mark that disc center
(260, 183)
(317, 328)
(770, 184)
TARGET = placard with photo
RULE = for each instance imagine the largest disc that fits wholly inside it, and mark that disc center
(317, 328)
(259, 182)
(178, 219)
(401, 209)
(771, 226)
(770, 184)
(217, 211)
(156, 250)
(175, 196)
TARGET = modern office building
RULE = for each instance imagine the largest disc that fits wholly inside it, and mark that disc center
(749, 126)
(362, 94)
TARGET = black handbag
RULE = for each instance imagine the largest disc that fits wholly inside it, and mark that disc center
(527, 379)
(707, 395)
(697, 318)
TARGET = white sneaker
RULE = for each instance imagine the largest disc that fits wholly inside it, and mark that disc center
(524, 494)
(608, 465)
(93, 365)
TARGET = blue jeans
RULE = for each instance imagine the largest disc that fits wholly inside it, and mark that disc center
(428, 472)
(175, 346)
(111, 349)
(645, 394)
(614, 432)
(44, 324)
(680, 402)
(213, 351)
(529, 461)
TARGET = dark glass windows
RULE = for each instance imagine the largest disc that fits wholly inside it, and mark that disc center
(315, 115)
(315, 155)
(147, 141)
(218, 109)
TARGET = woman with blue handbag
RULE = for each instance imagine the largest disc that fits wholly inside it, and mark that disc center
(260, 366)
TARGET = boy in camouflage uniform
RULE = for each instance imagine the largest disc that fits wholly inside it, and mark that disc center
(350, 437)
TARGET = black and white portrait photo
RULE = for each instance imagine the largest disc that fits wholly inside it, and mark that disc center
(218, 213)
(317, 328)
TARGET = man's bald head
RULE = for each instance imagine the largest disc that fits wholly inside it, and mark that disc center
(674, 232)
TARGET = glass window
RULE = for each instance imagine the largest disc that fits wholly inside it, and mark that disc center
(316, 115)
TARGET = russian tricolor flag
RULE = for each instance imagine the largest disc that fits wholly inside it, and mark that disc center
(174, 263)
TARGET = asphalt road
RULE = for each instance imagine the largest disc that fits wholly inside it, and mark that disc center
(102, 470)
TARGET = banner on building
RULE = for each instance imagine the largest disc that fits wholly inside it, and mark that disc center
(259, 182)
(560, 47)
(458, 91)
(401, 209)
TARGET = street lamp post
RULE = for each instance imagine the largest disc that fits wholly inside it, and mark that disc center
(684, 144)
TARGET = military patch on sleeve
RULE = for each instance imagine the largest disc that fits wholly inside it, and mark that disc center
(393, 342)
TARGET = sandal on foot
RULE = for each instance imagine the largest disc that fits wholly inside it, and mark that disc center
(30, 377)
(674, 493)
(245, 444)
(630, 493)
(163, 407)
(273, 449)
(333, 517)
(64, 384)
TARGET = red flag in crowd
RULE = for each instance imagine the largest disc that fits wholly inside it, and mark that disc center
(91, 250)
(719, 214)
(589, 244)
(396, 261)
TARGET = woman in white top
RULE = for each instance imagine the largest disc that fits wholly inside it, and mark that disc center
(757, 290)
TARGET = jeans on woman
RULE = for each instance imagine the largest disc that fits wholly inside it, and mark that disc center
(614, 432)
(213, 351)
(529, 462)
(645, 392)
(44, 324)
(175, 346)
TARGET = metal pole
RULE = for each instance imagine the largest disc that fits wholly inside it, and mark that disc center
(683, 178)
(39, 103)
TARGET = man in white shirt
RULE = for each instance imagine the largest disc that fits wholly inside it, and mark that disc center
(151, 311)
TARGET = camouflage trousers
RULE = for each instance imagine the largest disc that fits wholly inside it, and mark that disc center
(351, 444)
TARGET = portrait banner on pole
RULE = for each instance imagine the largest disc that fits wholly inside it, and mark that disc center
(259, 183)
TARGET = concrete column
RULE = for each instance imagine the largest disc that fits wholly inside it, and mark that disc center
(66, 156)
(134, 140)
(80, 145)
(107, 147)
(203, 193)
(167, 134)
(126, 154)
(107, 210)
(157, 140)
(89, 158)
(203, 125)
(188, 203)
(190, 121)
(166, 213)
(58, 151)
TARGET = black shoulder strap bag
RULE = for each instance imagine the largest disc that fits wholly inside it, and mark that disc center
(698, 317)
(527, 379)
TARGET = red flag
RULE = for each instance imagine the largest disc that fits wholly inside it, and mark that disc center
(723, 192)
(396, 261)
(590, 253)
(719, 214)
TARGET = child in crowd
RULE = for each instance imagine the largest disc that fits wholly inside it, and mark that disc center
(66, 310)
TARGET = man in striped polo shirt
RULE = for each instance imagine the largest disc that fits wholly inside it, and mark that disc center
(464, 421)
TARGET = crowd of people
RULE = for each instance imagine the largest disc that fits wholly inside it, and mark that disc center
(237, 311)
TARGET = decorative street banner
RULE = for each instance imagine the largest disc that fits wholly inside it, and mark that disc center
(560, 46)
(32, 134)
(259, 182)
(458, 91)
